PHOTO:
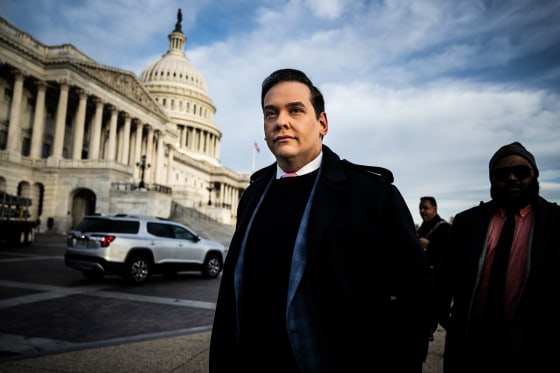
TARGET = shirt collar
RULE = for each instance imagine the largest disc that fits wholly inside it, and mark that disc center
(308, 168)
(522, 212)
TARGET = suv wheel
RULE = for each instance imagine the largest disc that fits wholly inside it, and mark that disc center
(212, 266)
(138, 269)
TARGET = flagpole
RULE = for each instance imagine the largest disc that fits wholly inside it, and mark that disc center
(255, 151)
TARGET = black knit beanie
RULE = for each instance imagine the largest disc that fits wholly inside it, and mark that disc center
(513, 148)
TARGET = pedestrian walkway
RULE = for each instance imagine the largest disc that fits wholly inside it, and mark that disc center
(181, 354)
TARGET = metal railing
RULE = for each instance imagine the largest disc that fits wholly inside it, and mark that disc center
(116, 186)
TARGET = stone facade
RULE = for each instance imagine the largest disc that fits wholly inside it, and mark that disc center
(80, 138)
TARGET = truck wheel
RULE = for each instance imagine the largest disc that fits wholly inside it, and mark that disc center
(22, 238)
(29, 237)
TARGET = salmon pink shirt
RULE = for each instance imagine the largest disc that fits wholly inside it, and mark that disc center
(517, 260)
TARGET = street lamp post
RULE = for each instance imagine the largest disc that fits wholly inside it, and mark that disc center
(143, 165)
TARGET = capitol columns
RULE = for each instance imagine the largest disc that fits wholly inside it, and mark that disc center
(38, 121)
(14, 128)
(137, 148)
(95, 137)
(150, 152)
(124, 149)
(78, 125)
(60, 119)
(217, 149)
(112, 148)
(170, 149)
(159, 172)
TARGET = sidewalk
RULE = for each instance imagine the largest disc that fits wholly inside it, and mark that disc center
(183, 354)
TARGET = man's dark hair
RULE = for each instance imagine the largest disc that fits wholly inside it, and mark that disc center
(292, 75)
(430, 199)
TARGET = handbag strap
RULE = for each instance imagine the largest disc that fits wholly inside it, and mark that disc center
(434, 228)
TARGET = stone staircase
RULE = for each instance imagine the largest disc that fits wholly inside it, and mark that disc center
(202, 224)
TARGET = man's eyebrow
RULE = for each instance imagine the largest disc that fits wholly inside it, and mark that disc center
(290, 105)
(296, 103)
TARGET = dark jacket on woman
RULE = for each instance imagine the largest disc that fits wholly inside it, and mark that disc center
(361, 299)
(535, 328)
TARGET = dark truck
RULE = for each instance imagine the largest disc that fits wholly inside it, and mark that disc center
(15, 226)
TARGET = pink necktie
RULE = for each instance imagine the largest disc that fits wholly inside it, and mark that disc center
(289, 174)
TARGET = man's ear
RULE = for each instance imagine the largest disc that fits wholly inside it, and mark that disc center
(324, 122)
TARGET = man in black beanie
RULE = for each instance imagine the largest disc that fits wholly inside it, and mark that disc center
(497, 298)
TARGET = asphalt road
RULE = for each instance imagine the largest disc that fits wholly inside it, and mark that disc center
(46, 307)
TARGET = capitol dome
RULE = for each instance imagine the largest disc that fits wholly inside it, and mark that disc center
(181, 90)
(174, 68)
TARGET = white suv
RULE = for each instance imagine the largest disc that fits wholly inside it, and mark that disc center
(138, 246)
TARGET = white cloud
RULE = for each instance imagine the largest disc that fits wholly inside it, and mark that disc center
(329, 9)
(429, 89)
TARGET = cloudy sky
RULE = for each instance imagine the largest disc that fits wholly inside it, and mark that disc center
(427, 88)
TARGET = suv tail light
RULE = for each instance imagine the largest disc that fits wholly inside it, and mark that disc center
(105, 240)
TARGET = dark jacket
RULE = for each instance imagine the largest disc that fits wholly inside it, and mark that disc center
(362, 252)
(536, 324)
(437, 231)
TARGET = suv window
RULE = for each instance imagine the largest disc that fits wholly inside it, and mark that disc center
(160, 229)
(184, 234)
(170, 231)
(108, 226)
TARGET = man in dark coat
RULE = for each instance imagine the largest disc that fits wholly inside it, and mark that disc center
(434, 230)
(520, 334)
(433, 234)
(325, 272)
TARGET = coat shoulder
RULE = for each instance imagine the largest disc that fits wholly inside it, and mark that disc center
(386, 174)
(259, 173)
(549, 208)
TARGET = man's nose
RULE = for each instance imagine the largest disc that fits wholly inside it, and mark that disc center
(283, 118)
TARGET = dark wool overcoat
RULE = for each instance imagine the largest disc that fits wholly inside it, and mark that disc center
(535, 328)
(370, 277)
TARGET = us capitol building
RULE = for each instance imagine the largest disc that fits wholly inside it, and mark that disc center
(79, 138)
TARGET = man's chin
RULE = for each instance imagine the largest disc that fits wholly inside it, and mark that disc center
(513, 194)
(285, 151)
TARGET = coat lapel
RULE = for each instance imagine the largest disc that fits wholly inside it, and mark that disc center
(326, 200)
